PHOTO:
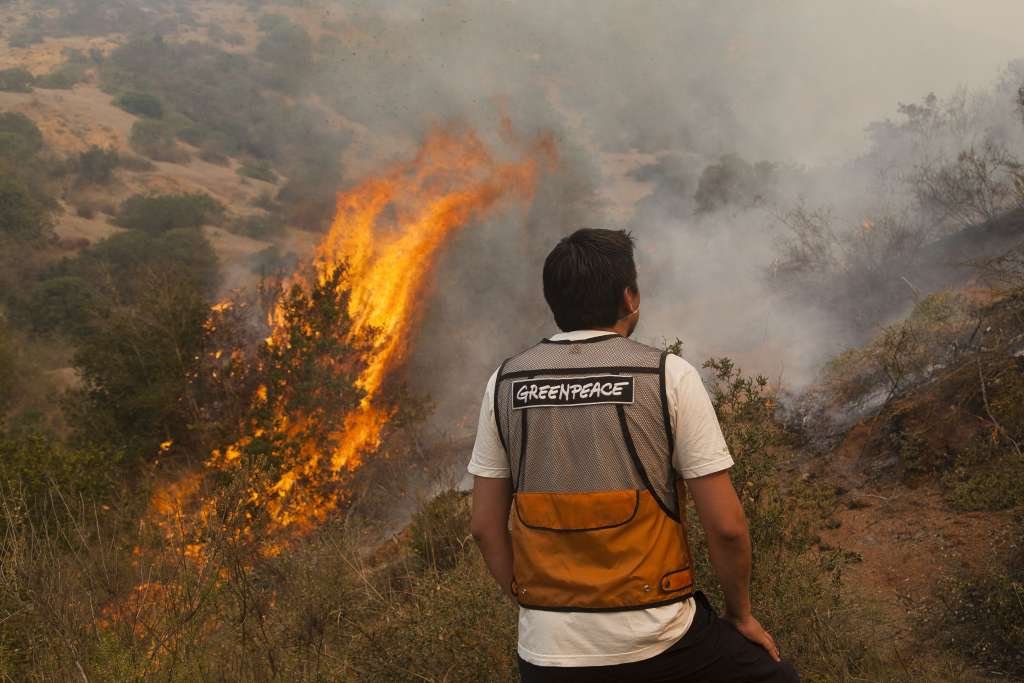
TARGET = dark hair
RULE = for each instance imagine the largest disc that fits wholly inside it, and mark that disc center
(584, 276)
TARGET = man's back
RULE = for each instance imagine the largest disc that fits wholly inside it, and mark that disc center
(557, 638)
(586, 438)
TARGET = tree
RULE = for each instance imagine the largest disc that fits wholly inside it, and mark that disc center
(732, 182)
(20, 137)
(22, 216)
(140, 104)
(155, 139)
(17, 79)
(307, 388)
(156, 213)
(96, 165)
(136, 360)
(976, 187)
(60, 304)
(122, 260)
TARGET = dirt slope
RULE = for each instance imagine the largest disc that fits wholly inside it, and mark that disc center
(906, 546)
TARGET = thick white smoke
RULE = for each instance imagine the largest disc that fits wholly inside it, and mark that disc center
(643, 98)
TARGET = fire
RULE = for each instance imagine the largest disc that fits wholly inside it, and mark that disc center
(383, 240)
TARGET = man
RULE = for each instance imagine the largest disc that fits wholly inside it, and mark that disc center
(586, 439)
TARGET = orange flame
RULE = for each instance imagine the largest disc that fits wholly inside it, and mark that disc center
(386, 234)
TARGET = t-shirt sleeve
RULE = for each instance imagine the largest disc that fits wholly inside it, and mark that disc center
(489, 458)
(700, 447)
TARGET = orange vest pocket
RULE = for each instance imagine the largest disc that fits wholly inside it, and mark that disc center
(576, 511)
(607, 550)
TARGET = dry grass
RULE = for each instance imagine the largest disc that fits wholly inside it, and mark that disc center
(89, 591)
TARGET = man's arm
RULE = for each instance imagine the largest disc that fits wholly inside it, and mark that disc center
(492, 499)
(725, 525)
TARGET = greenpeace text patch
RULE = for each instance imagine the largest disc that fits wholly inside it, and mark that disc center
(572, 391)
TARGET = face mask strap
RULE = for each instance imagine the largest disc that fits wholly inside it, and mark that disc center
(635, 311)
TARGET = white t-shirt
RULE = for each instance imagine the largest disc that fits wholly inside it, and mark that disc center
(549, 638)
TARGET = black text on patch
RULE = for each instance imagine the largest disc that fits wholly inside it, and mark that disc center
(572, 391)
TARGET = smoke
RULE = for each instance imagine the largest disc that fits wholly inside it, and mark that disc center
(643, 98)
(696, 125)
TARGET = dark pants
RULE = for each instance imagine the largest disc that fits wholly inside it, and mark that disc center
(711, 651)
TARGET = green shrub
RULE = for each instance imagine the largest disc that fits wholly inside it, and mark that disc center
(212, 88)
(140, 104)
(96, 165)
(22, 217)
(156, 213)
(136, 360)
(260, 170)
(192, 134)
(16, 79)
(213, 155)
(64, 77)
(156, 140)
(985, 617)
(133, 253)
(60, 304)
(288, 49)
(20, 137)
(985, 476)
(224, 95)
(33, 463)
(258, 226)
(266, 201)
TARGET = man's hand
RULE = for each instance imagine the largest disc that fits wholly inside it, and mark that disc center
(751, 629)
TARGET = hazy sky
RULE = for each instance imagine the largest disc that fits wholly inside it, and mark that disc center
(839, 65)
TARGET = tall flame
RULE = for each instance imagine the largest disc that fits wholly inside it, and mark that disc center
(386, 234)
(383, 242)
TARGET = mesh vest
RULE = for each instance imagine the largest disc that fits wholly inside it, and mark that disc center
(598, 515)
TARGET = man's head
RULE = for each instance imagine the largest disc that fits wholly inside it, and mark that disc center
(590, 281)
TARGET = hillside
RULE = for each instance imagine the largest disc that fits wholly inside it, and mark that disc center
(258, 258)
